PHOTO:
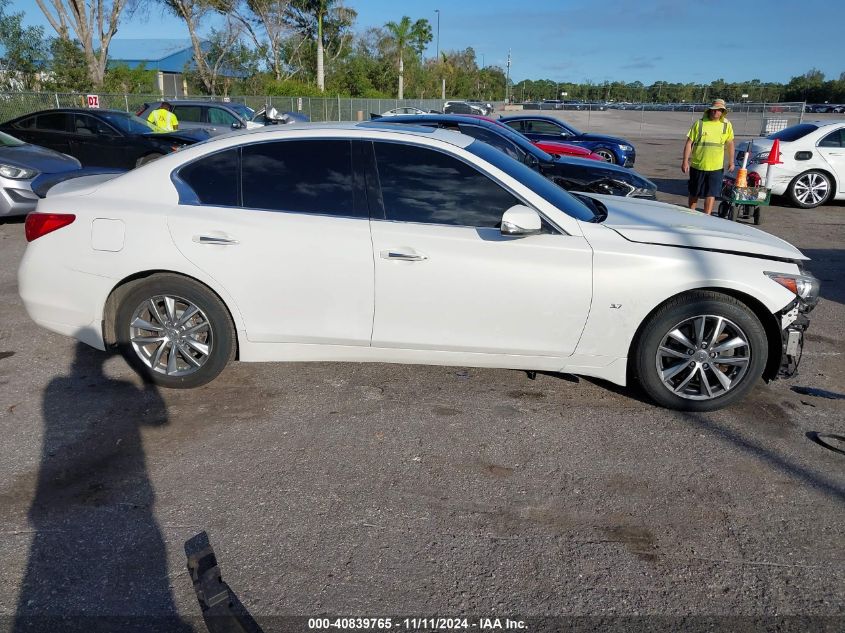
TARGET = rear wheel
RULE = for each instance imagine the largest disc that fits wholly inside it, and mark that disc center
(810, 189)
(606, 155)
(174, 331)
(700, 352)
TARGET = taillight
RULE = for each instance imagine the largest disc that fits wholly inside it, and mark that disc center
(38, 224)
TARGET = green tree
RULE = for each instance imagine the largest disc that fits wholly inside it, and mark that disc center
(24, 49)
(91, 22)
(68, 72)
(326, 23)
(123, 79)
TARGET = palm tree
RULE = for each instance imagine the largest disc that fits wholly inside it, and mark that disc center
(304, 15)
(407, 37)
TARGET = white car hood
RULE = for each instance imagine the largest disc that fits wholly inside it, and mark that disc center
(649, 222)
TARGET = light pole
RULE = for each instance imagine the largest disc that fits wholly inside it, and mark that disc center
(437, 11)
(508, 78)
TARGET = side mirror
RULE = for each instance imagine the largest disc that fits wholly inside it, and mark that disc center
(236, 125)
(520, 220)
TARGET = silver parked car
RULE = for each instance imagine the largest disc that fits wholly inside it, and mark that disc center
(20, 163)
(216, 117)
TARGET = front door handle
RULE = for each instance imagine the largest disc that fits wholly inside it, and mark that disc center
(403, 257)
(215, 239)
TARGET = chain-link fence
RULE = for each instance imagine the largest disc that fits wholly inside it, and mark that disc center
(14, 104)
(652, 120)
(661, 120)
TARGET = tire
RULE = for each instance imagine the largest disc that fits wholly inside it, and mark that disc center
(678, 373)
(148, 158)
(756, 216)
(607, 155)
(150, 324)
(810, 189)
(726, 210)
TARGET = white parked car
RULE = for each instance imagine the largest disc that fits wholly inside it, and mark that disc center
(403, 111)
(374, 242)
(813, 155)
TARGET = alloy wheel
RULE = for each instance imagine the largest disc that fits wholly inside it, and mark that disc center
(811, 189)
(171, 335)
(606, 155)
(703, 357)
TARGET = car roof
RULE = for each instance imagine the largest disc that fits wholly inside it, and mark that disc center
(514, 117)
(77, 111)
(825, 123)
(449, 136)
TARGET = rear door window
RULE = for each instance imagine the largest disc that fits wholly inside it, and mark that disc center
(188, 114)
(308, 176)
(54, 121)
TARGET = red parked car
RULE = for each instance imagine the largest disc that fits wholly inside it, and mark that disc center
(550, 147)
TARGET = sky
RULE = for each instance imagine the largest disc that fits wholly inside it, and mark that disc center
(600, 40)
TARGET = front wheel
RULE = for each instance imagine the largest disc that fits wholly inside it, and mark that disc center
(174, 331)
(606, 155)
(810, 189)
(700, 352)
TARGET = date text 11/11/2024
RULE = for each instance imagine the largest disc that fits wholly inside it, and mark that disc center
(416, 624)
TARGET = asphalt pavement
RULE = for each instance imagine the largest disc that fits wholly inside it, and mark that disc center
(377, 490)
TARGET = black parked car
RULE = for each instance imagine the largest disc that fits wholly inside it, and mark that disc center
(575, 174)
(99, 138)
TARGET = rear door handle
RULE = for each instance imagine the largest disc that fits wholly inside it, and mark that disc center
(215, 239)
(403, 257)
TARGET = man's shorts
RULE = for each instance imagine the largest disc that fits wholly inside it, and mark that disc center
(705, 184)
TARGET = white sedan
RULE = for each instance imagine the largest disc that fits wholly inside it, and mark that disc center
(813, 155)
(385, 243)
(404, 111)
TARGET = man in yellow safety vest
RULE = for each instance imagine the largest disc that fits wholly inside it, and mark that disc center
(704, 155)
(163, 118)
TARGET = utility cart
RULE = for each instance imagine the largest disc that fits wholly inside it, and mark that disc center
(742, 203)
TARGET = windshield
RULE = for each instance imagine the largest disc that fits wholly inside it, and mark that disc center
(539, 184)
(129, 123)
(794, 132)
(9, 141)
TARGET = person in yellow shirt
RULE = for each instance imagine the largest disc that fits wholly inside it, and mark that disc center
(704, 155)
(163, 118)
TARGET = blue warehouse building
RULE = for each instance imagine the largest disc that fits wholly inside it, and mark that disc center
(168, 57)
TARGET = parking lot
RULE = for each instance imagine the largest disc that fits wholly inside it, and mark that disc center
(409, 491)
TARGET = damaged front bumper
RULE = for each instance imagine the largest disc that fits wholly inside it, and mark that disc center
(793, 323)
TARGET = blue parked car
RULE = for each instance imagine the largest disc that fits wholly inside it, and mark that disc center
(546, 128)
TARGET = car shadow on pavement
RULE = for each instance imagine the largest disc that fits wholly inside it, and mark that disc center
(97, 561)
(816, 480)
